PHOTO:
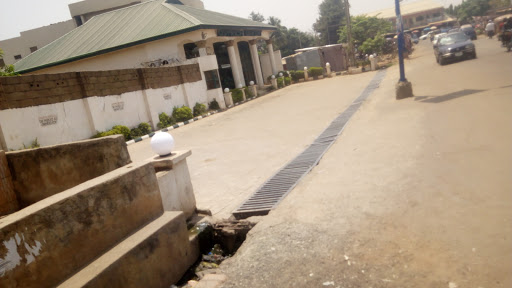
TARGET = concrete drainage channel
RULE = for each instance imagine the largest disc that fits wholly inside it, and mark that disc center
(221, 240)
(272, 192)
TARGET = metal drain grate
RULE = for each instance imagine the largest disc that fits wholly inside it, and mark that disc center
(278, 186)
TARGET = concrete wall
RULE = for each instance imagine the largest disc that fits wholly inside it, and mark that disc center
(49, 241)
(175, 183)
(8, 201)
(59, 108)
(41, 173)
(266, 68)
(38, 37)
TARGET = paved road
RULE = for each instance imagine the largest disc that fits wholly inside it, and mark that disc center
(416, 193)
(234, 152)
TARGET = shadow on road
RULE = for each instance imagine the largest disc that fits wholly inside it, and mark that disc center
(446, 97)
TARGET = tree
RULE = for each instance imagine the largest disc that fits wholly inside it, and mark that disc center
(364, 28)
(497, 4)
(469, 8)
(332, 16)
(450, 10)
(255, 16)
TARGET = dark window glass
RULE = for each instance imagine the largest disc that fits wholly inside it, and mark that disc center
(33, 49)
(17, 57)
(212, 79)
(191, 50)
(2, 62)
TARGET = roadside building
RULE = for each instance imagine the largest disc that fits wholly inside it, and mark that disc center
(159, 33)
(414, 14)
(335, 55)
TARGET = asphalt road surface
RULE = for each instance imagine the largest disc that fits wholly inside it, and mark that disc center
(415, 193)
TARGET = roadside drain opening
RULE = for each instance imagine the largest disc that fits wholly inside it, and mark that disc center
(217, 242)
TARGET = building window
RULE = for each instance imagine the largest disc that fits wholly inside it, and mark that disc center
(17, 57)
(78, 21)
(33, 49)
(2, 62)
(212, 79)
(191, 50)
(419, 18)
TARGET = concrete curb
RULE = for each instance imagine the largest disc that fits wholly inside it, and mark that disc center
(181, 124)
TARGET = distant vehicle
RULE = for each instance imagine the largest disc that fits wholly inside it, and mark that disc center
(454, 30)
(424, 37)
(436, 39)
(454, 46)
(434, 33)
(415, 39)
(469, 30)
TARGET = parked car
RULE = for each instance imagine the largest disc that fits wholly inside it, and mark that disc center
(426, 36)
(415, 39)
(454, 46)
(469, 30)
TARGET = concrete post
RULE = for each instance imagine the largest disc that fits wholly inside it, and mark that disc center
(3, 144)
(270, 48)
(254, 91)
(373, 62)
(256, 63)
(306, 76)
(273, 80)
(228, 98)
(234, 64)
(328, 69)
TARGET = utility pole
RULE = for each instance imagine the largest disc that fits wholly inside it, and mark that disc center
(403, 87)
(351, 59)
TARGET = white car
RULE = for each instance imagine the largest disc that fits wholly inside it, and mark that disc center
(424, 37)
(436, 38)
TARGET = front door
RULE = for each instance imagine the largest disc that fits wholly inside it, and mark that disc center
(246, 59)
(225, 73)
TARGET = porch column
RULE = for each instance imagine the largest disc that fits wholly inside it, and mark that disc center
(256, 63)
(234, 64)
(201, 45)
(270, 48)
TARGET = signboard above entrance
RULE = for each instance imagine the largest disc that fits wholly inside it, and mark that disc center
(237, 33)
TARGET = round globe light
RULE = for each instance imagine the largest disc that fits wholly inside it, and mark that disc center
(273, 77)
(305, 68)
(327, 64)
(251, 83)
(240, 86)
(280, 74)
(226, 90)
(162, 143)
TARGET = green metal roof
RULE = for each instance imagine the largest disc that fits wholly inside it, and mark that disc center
(130, 26)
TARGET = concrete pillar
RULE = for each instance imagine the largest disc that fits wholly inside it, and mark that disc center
(254, 91)
(256, 63)
(3, 144)
(306, 76)
(373, 62)
(270, 48)
(201, 45)
(8, 201)
(235, 69)
(228, 99)
(274, 83)
(328, 69)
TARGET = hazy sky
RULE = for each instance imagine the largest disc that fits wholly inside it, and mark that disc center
(21, 15)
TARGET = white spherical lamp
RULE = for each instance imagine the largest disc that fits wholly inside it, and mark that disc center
(327, 64)
(280, 74)
(240, 86)
(162, 143)
(273, 77)
(226, 90)
(251, 83)
(305, 68)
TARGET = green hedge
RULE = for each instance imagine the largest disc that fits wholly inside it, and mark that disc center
(280, 82)
(315, 71)
(199, 109)
(287, 81)
(238, 95)
(214, 105)
(182, 114)
(165, 121)
(297, 75)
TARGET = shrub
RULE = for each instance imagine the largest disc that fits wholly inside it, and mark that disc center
(34, 144)
(136, 133)
(182, 114)
(287, 81)
(280, 82)
(315, 71)
(165, 121)
(123, 130)
(199, 109)
(248, 92)
(270, 88)
(269, 78)
(297, 75)
(145, 128)
(238, 95)
(214, 105)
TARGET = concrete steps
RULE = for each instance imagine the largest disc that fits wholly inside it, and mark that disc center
(155, 256)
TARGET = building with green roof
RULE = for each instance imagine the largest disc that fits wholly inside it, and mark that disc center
(156, 33)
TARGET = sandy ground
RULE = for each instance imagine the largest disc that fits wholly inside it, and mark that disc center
(234, 152)
(415, 193)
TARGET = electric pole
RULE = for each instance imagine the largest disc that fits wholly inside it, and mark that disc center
(351, 59)
(403, 87)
